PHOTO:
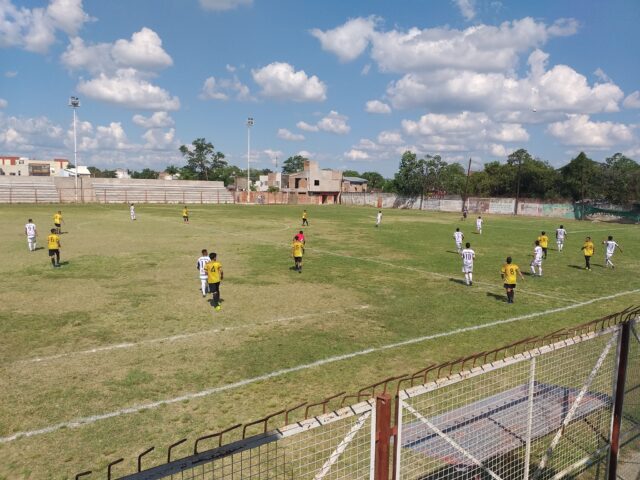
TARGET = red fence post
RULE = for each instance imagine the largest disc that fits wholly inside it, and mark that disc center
(619, 399)
(383, 436)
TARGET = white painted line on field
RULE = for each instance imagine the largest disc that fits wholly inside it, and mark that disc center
(278, 373)
(441, 275)
(182, 336)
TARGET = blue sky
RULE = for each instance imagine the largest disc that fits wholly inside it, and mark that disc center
(351, 84)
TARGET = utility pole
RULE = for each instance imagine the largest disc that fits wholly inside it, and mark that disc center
(74, 102)
(249, 125)
(466, 186)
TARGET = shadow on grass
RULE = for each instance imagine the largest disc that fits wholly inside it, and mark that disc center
(578, 267)
(451, 251)
(495, 296)
(458, 281)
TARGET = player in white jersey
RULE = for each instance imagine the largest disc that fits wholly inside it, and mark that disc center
(537, 259)
(132, 211)
(611, 246)
(379, 218)
(458, 236)
(31, 232)
(202, 261)
(561, 234)
(468, 256)
(479, 225)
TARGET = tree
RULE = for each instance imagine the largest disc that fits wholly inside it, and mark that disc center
(293, 164)
(202, 159)
(453, 178)
(410, 177)
(375, 181)
(581, 178)
(171, 169)
(350, 173)
(621, 180)
(145, 173)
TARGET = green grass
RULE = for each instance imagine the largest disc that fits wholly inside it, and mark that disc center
(136, 281)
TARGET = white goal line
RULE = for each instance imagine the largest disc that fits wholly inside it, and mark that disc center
(75, 423)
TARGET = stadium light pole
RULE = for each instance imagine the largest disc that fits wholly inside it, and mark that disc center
(74, 102)
(249, 125)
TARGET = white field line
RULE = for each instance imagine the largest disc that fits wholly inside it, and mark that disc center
(439, 275)
(182, 336)
(278, 373)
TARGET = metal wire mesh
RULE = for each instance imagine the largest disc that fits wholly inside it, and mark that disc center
(536, 415)
(334, 446)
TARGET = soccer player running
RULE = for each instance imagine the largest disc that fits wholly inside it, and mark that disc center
(214, 277)
(297, 250)
(479, 223)
(305, 220)
(537, 259)
(57, 221)
(53, 242)
(458, 236)
(468, 256)
(611, 248)
(561, 234)
(185, 215)
(379, 218)
(31, 232)
(300, 236)
(544, 243)
(200, 264)
(132, 211)
(509, 273)
(588, 249)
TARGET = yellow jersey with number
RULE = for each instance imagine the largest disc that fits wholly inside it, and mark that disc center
(588, 248)
(214, 270)
(53, 241)
(544, 241)
(297, 248)
(185, 212)
(510, 273)
(57, 218)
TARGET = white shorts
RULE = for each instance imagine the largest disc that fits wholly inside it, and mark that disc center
(536, 263)
(203, 277)
(467, 269)
(458, 246)
(31, 239)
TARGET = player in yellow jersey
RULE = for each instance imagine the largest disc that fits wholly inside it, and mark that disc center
(297, 250)
(185, 214)
(305, 220)
(588, 249)
(57, 221)
(214, 277)
(544, 243)
(53, 242)
(509, 273)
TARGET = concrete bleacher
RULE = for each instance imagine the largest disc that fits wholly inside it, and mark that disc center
(159, 191)
(15, 189)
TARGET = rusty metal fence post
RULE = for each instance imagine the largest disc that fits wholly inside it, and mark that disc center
(383, 436)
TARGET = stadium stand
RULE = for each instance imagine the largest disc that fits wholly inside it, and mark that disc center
(159, 191)
(28, 190)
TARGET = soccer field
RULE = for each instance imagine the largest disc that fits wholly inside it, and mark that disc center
(117, 350)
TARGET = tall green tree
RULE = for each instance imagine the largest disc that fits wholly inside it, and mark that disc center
(293, 164)
(350, 173)
(621, 180)
(581, 178)
(375, 181)
(410, 177)
(202, 159)
(145, 173)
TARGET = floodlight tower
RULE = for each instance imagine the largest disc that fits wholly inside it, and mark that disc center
(249, 125)
(74, 102)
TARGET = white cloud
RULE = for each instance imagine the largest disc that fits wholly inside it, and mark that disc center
(306, 127)
(143, 52)
(222, 89)
(498, 150)
(223, 5)
(376, 106)
(127, 89)
(580, 131)
(273, 155)
(35, 29)
(10, 74)
(365, 70)
(26, 134)
(390, 138)
(467, 8)
(157, 120)
(334, 123)
(3, 103)
(160, 140)
(602, 76)
(285, 134)
(356, 155)
(280, 80)
(632, 100)
(347, 41)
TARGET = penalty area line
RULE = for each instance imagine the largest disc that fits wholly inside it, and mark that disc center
(79, 422)
(182, 336)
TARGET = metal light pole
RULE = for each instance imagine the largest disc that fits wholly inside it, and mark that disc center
(74, 102)
(249, 125)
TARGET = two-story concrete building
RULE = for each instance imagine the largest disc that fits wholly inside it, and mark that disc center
(314, 181)
(29, 167)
